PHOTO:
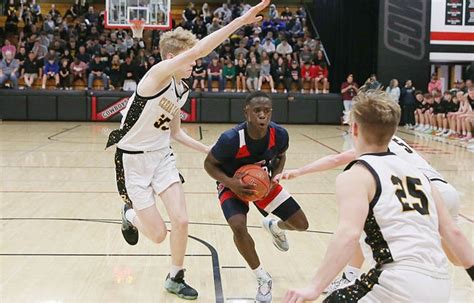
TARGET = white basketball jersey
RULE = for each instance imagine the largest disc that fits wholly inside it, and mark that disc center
(149, 118)
(402, 224)
(404, 151)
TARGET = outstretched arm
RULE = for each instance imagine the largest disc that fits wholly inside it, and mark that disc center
(166, 68)
(322, 164)
(452, 235)
(178, 134)
(354, 189)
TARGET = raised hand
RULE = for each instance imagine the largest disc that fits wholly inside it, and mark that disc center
(251, 16)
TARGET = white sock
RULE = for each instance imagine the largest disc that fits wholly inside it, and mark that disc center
(275, 228)
(260, 273)
(130, 215)
(174, 270)
(351, 272)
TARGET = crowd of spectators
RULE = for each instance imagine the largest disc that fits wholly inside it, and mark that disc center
(447, 114)
(62, 50)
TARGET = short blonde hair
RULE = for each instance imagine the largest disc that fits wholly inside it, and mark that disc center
(377, 116)
(176, 41)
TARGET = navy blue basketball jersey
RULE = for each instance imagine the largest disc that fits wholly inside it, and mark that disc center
(235, 148)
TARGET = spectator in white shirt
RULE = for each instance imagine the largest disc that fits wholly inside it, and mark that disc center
(284, 48)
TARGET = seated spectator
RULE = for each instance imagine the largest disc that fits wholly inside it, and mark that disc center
(91, 17)
(321, 76)
(199, 28)
(9, 69)
(308, 74)
(189, 16)
(199, 74)
(272, 12)
(240, 76)
(49, 25)
(241, 50)
(268, 46)
(306, 55)
(51, 70)
(284, 48)
(35, 10)
(73, 11)
(21, 56)
(286, 14)
(279, 72)
(65, 76)
(214, 26)
(224, 13)
(78, 70)
(53, 12)
(319, 58)
(214, 72)
(8, 47)
(226, 52)
(129, 74)
(435, 85)
(253, 74)
(265, 75)
(115, 74)
(394, 91)
(206, 14)
(31, 69)
(297, 29)
(11, 23)
(229, 75)
(97, 71)
(293, 75)
(83, 55)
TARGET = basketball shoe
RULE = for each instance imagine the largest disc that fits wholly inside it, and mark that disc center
(264, 290)
(337, 284)
(279, 238)
(129, 232)
(178, 287)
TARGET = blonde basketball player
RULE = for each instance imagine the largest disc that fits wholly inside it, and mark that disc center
(401, 214)
(450, 196)
(145, 164)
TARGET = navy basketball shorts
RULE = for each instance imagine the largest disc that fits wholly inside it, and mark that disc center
(278, 202)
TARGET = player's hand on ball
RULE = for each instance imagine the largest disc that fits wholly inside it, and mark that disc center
(300, 295)
(251, 16)
(241, 189)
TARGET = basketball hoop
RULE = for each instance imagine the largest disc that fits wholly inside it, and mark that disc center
(137, 27)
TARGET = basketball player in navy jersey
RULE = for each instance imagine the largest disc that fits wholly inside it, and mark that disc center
(145, 164)
(257, 140)
(401, 214)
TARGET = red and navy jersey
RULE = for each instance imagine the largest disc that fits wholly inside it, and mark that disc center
(235, 148)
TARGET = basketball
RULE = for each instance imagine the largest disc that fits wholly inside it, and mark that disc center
(255, 174)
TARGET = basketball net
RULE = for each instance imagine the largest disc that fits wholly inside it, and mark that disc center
(137, 27)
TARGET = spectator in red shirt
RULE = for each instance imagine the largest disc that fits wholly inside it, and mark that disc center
(321, 72)
(308, 74)
(214, 72)
(349, 90)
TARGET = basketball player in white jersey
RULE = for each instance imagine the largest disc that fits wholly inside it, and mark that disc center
(450, 196)
(399, 212)
(145, 164)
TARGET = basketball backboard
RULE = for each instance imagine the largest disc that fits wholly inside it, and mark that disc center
(155, 13)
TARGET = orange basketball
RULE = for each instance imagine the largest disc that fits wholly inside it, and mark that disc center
(255, 174)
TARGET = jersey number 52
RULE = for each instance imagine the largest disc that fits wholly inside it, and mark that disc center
(415, 198)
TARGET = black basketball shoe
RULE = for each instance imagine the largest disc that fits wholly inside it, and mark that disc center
(178, 287)
(129, 232)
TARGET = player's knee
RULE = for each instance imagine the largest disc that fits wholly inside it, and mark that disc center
(159, 236)
(180, 223)
(239, 229)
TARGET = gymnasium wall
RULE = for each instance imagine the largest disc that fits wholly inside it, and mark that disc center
(200, 107)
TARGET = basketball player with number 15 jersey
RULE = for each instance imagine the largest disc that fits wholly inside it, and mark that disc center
(145, 164)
